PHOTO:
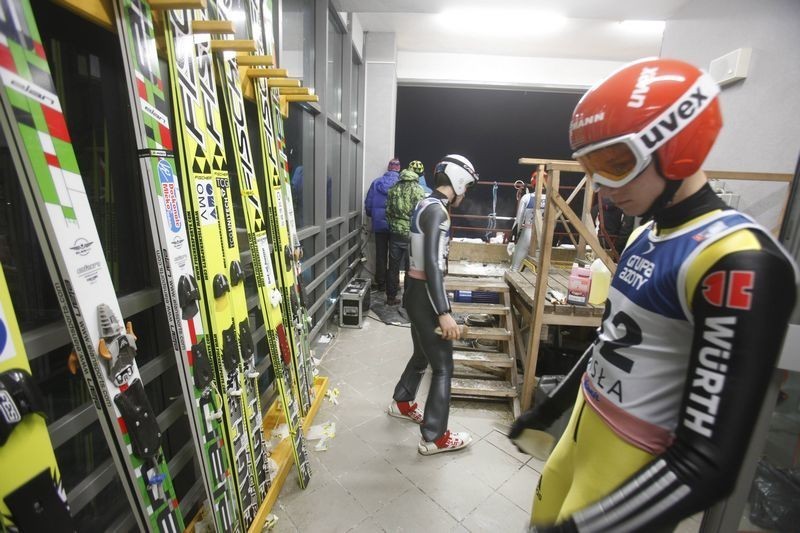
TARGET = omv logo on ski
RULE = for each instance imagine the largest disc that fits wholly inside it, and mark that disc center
(170, 192)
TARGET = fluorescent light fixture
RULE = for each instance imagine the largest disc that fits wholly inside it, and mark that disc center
(501, 21)
(643, 26)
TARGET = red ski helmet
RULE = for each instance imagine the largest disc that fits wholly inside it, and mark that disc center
(651, 106)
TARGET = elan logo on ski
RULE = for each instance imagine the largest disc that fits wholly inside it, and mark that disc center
(168, 188)
(82, 246)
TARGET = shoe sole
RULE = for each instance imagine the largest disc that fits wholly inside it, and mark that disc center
(401, 416)
(425, 451)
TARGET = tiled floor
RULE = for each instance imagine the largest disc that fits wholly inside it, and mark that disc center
(371, 477)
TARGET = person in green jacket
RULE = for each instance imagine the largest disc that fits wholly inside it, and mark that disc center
(402, 199)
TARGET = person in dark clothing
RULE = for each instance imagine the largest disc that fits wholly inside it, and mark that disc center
(616, 225)
(375, 208)
(403, 198)
(427, 304)
(666, 398)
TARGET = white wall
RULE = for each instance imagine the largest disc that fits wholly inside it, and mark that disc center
(474, 69)
(762, 130)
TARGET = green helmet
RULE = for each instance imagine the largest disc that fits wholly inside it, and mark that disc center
(416, 167)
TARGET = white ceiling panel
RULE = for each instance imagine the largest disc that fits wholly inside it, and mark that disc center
(590, 29)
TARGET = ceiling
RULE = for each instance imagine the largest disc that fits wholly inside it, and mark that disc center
(589, 29)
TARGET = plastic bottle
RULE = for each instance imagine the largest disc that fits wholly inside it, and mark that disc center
(601, 282)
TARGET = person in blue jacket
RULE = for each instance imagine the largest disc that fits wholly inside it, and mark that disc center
(375, 208)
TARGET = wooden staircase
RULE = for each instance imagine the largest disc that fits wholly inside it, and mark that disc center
(482, 372)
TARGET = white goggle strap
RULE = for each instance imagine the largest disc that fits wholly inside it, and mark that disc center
(676, 117)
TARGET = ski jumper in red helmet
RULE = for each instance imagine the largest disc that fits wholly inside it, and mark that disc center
(668, 393)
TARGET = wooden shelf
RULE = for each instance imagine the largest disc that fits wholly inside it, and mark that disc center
(496, 359)
(482, 387)
(282, 453)
(489, 309)
(453, 283)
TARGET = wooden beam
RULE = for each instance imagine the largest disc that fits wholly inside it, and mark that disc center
(282, 82)
(282, 453)
(301, 98)
(244, 60)
(100, 12)
(296, 90)
(233, 45)
(754, 176)
(535, 161)
(267, 72)
(177, 4)
(540, 291)
(591, 239)
(212, 26)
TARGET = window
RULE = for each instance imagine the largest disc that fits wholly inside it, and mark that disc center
(333, 180)
(355, 92)
(297, 45)
(355, 159)
(334, 72)
(299, 131)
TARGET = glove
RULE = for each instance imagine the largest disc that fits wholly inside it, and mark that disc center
(510, 248)
(533, 418)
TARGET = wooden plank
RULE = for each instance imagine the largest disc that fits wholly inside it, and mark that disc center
(489, 309)
(591, 239)
(480, 372)
(177, 4)
(498, 359)
(480, 332)
(452, 283)
(283, 82)
(212, 26)
(233, 45)
(296, 90)
(539, 299)
(267, 73)
(480, 252)
(298, 97)
(571, 320)
(535, 161)
(282, 453)
(100, 12)
(479, 387)
(244, 60)
(754, 176)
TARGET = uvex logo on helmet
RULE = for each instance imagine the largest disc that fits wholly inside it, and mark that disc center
(679, 115)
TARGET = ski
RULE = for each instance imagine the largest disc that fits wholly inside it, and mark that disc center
(47, 170)
(149, 109)
(284, 250)
(212, 232)
(257, 225)
(31, 495)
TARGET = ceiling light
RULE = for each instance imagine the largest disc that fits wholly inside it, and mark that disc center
(502, 22)
(643, 26)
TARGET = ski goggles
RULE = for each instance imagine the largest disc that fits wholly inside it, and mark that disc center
(614, 162)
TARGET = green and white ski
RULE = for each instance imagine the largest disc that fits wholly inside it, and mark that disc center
(149, 109)
(284, 249)
(31, 495)
(42, 152)
(212, 233)
(257, 225)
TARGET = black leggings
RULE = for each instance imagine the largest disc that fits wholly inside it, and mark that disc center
(429, 348)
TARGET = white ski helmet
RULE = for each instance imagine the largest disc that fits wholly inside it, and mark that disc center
(459, 171)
